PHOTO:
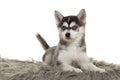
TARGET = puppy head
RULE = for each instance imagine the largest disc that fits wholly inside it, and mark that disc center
(71, 27)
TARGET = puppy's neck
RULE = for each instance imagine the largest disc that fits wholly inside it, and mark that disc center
(80, 43)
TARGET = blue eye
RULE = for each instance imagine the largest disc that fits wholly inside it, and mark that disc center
(63, 28)
(74, 27)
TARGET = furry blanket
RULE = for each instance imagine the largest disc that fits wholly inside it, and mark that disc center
(32, 70)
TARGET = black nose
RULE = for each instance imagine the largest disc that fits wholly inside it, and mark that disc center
(67, 35)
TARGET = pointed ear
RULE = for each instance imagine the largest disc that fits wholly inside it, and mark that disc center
(58, 17)
(82, 16)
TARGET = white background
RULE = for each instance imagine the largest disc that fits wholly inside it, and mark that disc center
(20, 20)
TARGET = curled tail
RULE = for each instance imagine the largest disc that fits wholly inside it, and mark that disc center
(42, 41)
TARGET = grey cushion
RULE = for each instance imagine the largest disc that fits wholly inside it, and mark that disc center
(33, 70)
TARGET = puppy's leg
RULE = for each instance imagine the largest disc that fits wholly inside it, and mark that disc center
(67, 67)
(91, 67)
(66, 63)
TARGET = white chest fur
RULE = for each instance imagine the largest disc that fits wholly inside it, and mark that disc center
(72, 53)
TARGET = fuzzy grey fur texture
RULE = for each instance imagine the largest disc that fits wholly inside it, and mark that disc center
(33, 70)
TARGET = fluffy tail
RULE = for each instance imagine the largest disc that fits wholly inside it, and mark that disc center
(42, 41)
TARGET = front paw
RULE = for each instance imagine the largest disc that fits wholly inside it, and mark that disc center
(101, 70)
(72, 69)
(77, 70)
(92, 67)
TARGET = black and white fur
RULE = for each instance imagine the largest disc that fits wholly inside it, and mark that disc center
(71, 49)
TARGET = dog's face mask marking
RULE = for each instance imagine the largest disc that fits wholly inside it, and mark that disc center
(70, 27)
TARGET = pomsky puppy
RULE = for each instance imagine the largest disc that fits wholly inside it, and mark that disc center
(71, 49)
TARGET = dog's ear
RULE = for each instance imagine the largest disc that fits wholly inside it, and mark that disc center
(58, 17)
(82, 16)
